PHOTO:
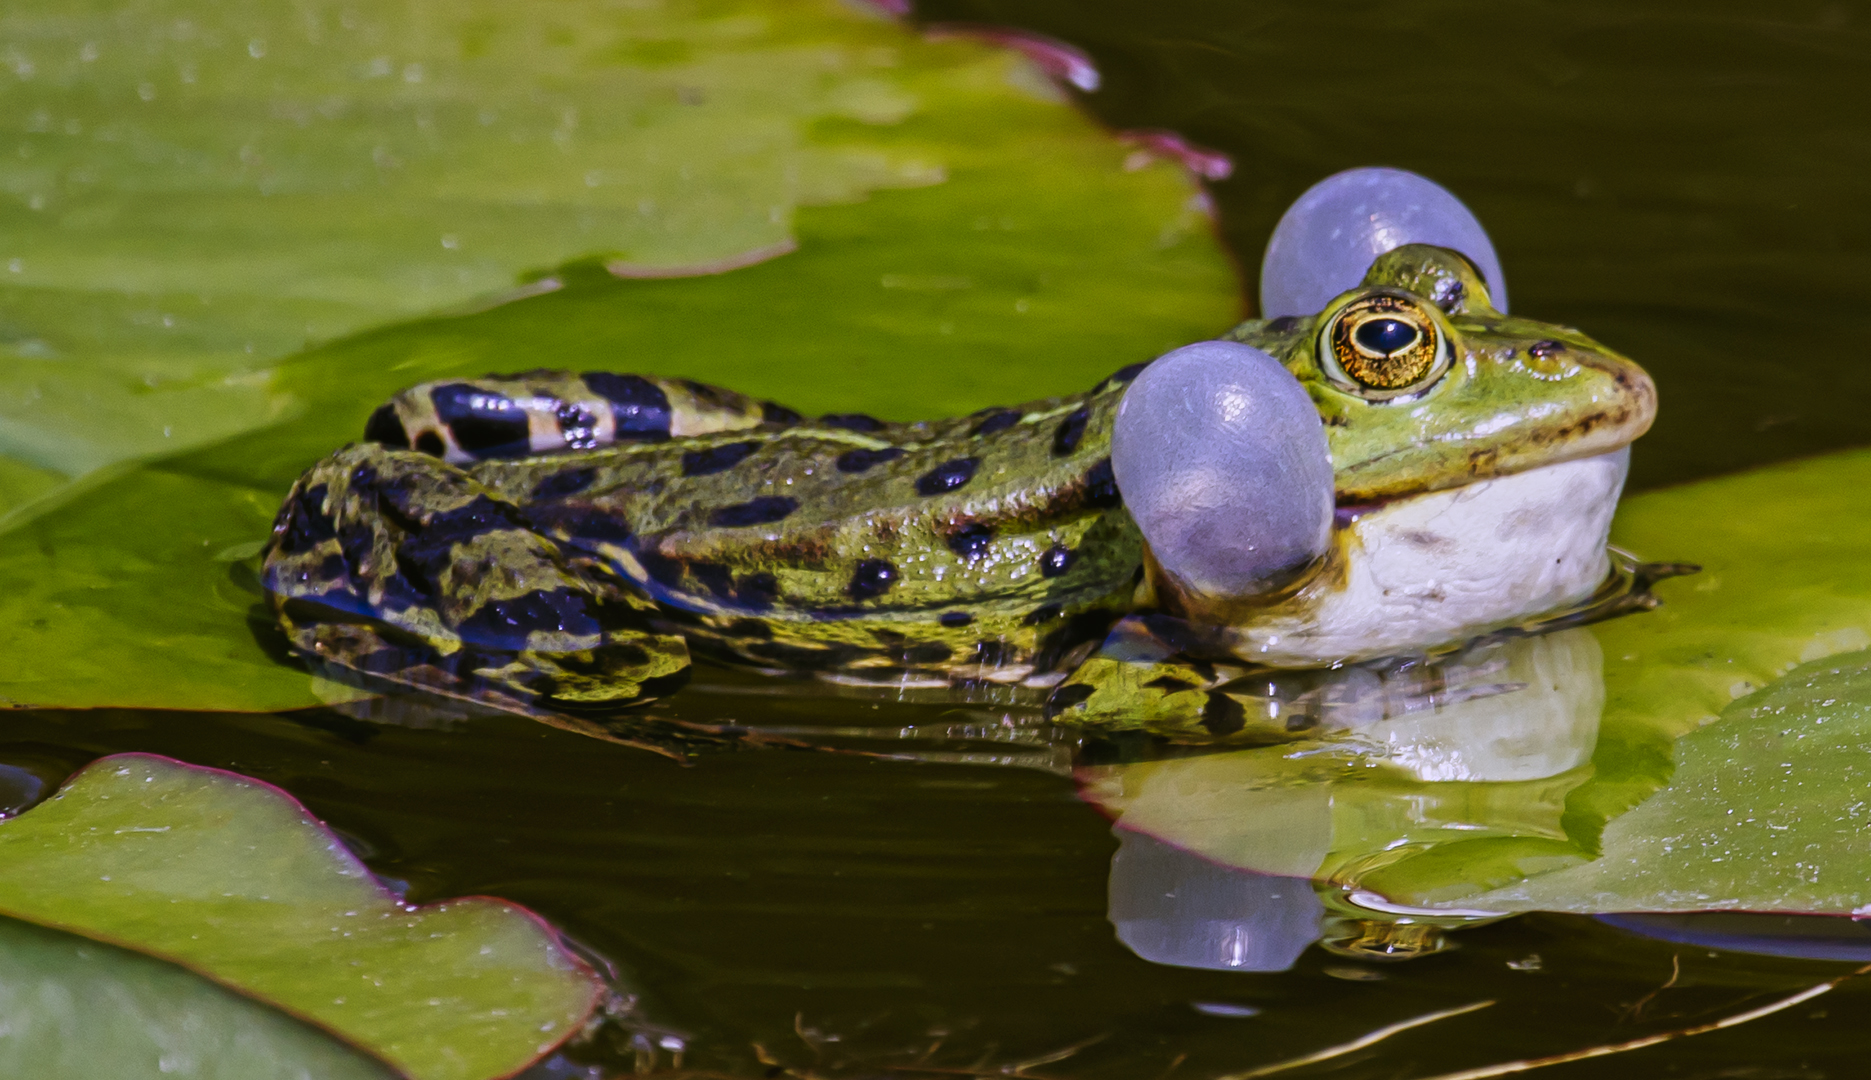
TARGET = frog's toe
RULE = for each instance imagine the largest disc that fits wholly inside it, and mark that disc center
(1327, 239)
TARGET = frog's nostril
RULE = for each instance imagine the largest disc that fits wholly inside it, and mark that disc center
(1386, 337)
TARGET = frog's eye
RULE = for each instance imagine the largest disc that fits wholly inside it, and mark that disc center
(1383, 346)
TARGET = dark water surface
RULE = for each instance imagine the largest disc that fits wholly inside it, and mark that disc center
(843, 915)
(1684, 181)
(1687, 182)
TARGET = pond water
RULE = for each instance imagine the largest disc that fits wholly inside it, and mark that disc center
(911, 888)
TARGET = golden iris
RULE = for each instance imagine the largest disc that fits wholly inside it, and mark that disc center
(1384, 342)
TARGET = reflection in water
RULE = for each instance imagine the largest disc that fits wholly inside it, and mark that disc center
(1219, 852)
(1172, 907)
(1504, 709)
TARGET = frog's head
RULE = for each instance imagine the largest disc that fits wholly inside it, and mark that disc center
(1424, 386)
(1474, 459)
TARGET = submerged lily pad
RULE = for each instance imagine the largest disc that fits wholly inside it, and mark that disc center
(80, 1008)
(1048, 255)
(232, 878)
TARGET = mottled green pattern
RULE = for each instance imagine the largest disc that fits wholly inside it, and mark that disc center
(1028, 557)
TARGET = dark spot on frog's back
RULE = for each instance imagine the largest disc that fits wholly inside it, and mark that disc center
(474, 517)
(872, 578)
(639, 408)
(485, 424)
(560, 484)
(1123, 376)
(857, 461)
(972, 541)
(764, 510)
(1071, 430)
(996, 422)
(505, 624)
(386, 429)
(947, 476)
(716, 458)
(852, 421)
(1101, 486)
(303, 521)
(772, 413)
(574, 524)
(954, 619)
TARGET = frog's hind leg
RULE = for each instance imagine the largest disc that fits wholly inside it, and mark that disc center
(507, 416)
(405, 569)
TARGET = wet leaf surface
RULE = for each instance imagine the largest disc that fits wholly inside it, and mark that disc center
(194, 192)
(80, 1008)
(233, 879)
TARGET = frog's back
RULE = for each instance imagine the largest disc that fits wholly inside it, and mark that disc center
(990, 547)
(978, 547)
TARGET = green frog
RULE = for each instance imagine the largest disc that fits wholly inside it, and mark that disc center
(563, 545)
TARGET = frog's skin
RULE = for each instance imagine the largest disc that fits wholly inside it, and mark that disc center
(561, 544)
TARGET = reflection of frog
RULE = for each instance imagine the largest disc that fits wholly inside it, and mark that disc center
(560, 544)
(1217, 848)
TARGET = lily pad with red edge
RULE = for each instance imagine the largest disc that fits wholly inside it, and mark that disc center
(232, 878)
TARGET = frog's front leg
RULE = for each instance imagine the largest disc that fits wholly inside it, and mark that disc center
(1139, 681)
(401, 567)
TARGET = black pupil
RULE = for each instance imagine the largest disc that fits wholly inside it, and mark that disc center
(1386, 336)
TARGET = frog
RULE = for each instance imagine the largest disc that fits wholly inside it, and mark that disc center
(567, 545)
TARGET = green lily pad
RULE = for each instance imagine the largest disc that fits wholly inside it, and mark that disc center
(192, 191)
(1766, 812)
(80, 1008)
(232, 878)
(1048, 255)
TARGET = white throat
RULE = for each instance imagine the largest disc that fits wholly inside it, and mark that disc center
(1449, 565)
